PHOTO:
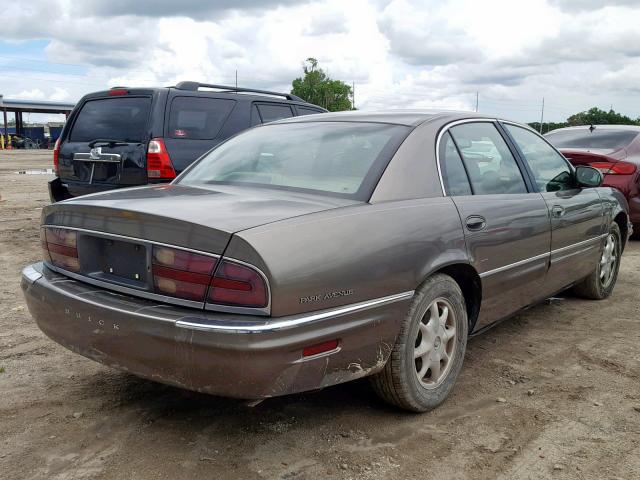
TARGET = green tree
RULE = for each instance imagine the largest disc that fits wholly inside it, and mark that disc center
(316, 87)
(595, 116)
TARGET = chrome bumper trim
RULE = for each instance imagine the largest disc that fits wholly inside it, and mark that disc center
(30, 274)
(276, 324)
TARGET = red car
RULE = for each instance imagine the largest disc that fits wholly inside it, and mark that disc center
(612, 149)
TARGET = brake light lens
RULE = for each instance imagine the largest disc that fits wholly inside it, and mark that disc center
(56, 155)
(159, 164)
(614, 168)
(114, 92)
(60, 248)
(238, 285)
(182, 274)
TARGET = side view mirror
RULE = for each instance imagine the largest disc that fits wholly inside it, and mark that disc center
(588, 176)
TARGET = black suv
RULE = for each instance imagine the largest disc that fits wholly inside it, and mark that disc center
(133, 136)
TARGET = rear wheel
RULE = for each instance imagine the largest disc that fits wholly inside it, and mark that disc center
(429, 351)
(600, 283)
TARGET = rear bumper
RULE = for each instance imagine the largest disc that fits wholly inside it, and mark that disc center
(229, 355)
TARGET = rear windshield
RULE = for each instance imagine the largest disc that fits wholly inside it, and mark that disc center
(118, 118)
(336, 158)
(584, 138)
(198, 118)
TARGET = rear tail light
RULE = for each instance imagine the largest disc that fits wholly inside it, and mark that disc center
(159, 164)
(614, 168)
(56, 155)
(59, 247)
(182, 274)
(238, 285)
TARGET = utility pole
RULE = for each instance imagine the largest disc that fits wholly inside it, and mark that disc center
(542, 116)
(477, 94)
(353, 95)
(236, 78)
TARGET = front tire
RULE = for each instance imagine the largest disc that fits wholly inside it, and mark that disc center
(600, 283)
(429, 350)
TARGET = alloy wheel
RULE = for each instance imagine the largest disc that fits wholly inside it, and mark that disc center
(435, 343)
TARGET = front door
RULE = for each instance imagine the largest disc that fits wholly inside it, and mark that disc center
(506, 225)
(577, 216)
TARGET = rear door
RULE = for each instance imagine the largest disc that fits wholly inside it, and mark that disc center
(577, 214)
(506, 224)
(121, 123)
(194, 124)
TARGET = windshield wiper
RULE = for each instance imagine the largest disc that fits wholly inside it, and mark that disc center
(107, 142)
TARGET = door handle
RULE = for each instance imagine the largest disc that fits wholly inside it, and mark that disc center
(475, 223)
(557, 211)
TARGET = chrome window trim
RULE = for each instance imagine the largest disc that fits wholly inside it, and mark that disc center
(158, 297)
(548, 255)
(444, 130)
(282, 324)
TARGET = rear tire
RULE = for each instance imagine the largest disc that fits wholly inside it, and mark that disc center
(429, 350)
(600, 283)
(636, 232)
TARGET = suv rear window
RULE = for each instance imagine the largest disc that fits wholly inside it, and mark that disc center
(585, 138)
(198, 118)
(122, 118)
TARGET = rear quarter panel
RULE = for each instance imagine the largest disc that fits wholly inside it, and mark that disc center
(352, 254)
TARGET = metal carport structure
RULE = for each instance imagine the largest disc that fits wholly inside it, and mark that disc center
(30, 106)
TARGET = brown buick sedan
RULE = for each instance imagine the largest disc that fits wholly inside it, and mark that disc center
(321, 249)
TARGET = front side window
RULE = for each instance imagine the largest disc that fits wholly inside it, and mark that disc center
(198, 118)
(491, 167)
(336, 158)
(452, 170)
(551, 172)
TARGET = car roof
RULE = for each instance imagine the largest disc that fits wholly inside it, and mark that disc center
(634, 128)
(410, 118)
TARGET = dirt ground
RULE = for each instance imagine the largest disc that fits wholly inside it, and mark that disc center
(551, 394)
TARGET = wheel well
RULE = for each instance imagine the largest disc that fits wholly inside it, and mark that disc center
(469, 281)
(621, 220)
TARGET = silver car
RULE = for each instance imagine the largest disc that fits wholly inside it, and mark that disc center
(317, 250)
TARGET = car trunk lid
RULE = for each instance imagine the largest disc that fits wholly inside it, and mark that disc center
(190, 217)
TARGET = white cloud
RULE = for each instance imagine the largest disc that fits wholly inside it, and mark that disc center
(399, 53)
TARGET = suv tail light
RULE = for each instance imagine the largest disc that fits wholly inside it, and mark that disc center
(238, 285)
(159, 164)
(182, 274)
(59, 247)
(56, 155)
(614, 168)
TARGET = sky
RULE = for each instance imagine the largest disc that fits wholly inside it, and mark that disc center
(575, 54)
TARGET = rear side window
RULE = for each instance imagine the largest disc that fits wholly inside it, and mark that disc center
(488, 160)
(306, 111)
(118, 118)
(271, 112)
(586, 138)
(198, 118)
(453, 173)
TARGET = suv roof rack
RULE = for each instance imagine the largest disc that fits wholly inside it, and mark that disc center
(194, 86)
